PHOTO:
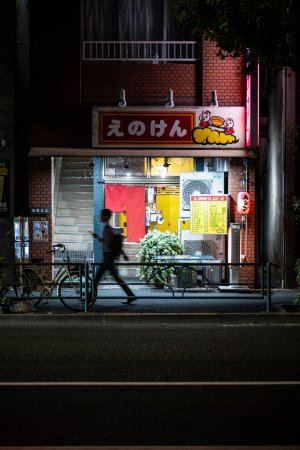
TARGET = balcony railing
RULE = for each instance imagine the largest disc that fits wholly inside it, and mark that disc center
(143, 51)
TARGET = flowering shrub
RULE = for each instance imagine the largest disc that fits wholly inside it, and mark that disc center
(156, 243)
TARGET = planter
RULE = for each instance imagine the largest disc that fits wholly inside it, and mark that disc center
(20, 306)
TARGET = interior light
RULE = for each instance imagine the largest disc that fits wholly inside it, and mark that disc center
(162, 171)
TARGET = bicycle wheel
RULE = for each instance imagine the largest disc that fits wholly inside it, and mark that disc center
(71, 294)
(29, 284)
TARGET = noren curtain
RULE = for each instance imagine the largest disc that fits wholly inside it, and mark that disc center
(115, 197)
(135, 213)
(119, 198)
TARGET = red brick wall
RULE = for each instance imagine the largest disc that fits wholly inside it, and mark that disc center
(63, 93)
(145, 84)
(246, 274)
(222, 76)
(40, 195)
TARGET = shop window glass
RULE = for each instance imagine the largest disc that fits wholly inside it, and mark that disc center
(171, 166)
(125, 166)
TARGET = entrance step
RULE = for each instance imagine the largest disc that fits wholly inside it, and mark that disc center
(81, 188)
(85, 204)
(79, 220)
(74, 212)
(76, 229)
(72, 237)
(80, 195)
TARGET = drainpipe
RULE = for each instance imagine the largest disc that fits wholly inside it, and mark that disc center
(283, 165)
(98, 205)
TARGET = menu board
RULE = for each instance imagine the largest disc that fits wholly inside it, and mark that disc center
(209, 214)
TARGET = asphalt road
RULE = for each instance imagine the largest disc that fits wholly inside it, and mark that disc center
(150, 385)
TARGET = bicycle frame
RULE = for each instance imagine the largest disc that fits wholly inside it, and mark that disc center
(47, 285)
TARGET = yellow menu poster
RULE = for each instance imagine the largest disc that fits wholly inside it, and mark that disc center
(209, 214)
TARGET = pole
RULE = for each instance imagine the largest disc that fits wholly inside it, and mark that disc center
(269, 305)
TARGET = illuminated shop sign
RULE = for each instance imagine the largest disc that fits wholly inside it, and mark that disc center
(200, 127)
(209, 214)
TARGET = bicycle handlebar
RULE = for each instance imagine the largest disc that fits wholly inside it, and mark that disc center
(56, 247)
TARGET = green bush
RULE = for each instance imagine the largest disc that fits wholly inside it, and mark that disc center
(155, 244)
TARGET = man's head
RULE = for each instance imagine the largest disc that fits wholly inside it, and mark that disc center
(105, 215)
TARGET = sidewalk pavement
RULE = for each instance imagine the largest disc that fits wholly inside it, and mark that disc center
(150, 308)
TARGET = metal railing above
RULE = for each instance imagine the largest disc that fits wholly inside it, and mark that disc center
(142, 51)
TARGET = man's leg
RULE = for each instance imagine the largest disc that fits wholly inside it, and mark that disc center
(122, 283)
(99, 272)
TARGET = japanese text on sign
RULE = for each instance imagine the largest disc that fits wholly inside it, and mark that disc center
(145, 128)
(209, 214)
(39, 210)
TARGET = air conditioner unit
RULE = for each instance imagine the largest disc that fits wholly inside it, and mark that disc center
(198, 183)
(203, 247)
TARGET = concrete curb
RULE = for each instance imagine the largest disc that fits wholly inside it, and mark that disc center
(95, 319)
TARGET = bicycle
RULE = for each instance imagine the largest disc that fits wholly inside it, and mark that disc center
(69, 281)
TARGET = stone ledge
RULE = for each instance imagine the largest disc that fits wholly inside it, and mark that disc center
(92, 319)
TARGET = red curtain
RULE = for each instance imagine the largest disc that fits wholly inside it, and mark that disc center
(119, 198)
(135, 213)
(115, 197)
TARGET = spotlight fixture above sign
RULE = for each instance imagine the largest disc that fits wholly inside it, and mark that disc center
(122, 98)
(214, 99)
(170, 99)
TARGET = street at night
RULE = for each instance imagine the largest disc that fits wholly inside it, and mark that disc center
(150, 385)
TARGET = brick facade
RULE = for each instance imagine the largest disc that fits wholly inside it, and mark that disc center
(222, 76)
(40, 195)
(64, 93)
(236, 172)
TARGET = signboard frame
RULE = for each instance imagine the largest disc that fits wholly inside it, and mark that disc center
(206, 210)
(176, 128)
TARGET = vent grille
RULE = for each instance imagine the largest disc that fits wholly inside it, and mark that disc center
(203, 247)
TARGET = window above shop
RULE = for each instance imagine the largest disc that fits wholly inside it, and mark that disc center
(127, 167)
(147, 167)
(166, 167)
(134, 30)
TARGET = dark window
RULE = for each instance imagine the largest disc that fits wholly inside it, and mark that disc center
(130, 20)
